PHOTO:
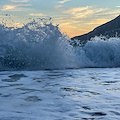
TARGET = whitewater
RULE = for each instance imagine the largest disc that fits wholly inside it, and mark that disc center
(43, 76)
(40, 45)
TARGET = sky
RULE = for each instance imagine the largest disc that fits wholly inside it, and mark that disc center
(75, 17)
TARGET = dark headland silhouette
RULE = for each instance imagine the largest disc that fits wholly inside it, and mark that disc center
(108, 29)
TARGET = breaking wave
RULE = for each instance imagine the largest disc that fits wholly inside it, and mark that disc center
(99, 53)
(41, 45)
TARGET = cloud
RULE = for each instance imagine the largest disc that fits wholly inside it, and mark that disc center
(98, 21)
(20, 0)
(87, 12)
(37, 14)
(20, 7)
(117, 6)
(113, 13)
(63, 1)
(83, 12)
(76, 10)
(80, 12)
(9, 7)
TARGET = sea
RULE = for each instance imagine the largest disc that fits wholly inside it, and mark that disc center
(44, 77)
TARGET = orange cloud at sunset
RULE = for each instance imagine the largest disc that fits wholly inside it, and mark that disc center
(8, 7)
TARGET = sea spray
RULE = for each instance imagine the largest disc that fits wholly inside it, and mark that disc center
(99, 53)
(40, 45)
(37, 45)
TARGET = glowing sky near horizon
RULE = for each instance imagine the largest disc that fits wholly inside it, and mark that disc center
(75, 17)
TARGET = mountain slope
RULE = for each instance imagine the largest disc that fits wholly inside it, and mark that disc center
(108, 29)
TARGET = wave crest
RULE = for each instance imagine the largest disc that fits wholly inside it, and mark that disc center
(41, 45)
(37, 45)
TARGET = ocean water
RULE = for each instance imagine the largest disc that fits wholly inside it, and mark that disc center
(44, 77)
(72, 94)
